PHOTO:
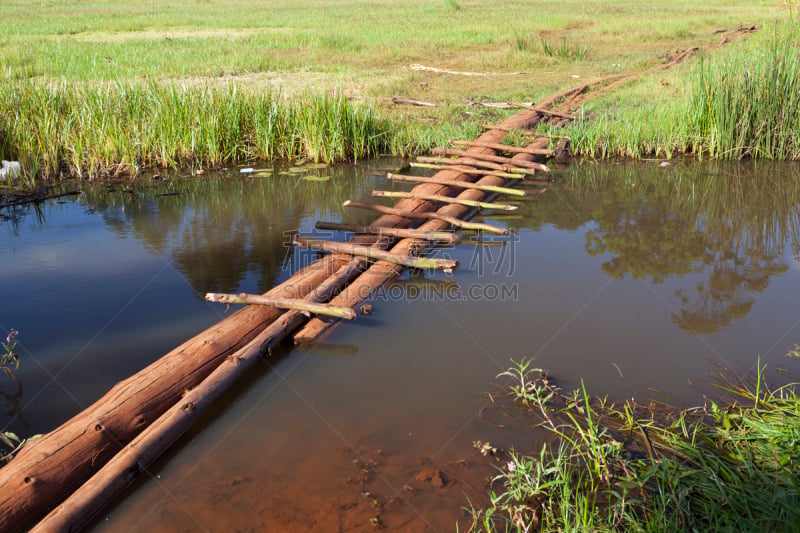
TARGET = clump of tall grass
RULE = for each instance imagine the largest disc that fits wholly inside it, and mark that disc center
(743, 104)
(90, 131)
(631, 467)
(748, 105)
(564, 50)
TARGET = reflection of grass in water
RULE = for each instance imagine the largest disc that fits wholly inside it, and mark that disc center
(222, 230)
(722, 227)
(628, 467)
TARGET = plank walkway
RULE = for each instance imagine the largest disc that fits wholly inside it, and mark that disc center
(75, 470)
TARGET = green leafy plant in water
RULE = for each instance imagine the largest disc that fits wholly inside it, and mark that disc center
(631, 467)
(13, 443)
(9, 357)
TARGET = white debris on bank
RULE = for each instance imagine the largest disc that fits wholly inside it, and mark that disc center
(10, 171)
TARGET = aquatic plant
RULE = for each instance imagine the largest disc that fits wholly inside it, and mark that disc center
(9, 356)
(720, 466)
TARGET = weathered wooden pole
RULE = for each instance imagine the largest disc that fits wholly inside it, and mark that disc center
(46, 470)
(502, 160)
(427, 215)
(423, 263)
(458, 184)
(445, 200)
(134, 458)
(283, 303)
(462, 168)
(448, 237)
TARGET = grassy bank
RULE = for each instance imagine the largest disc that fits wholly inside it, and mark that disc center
(155, 92)
(730, 466)
(734, 103)
(118, 128)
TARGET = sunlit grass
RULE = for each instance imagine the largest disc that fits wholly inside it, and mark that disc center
(734, 104)
(728, 465)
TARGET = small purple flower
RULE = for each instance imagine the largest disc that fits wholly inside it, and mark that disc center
(11, 336)
(511, 467)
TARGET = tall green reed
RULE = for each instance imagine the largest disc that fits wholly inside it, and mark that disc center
(120, 127)
(748, 104)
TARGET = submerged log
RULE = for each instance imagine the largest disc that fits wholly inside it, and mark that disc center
(423, 263)
(47, 469)
(458, 184)
(444, 200)
(283, 303)
(447, 237)
(124, 467)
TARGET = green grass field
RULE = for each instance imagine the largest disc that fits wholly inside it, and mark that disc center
(365, 50)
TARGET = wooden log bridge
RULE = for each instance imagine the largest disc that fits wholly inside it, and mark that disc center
(60, 481)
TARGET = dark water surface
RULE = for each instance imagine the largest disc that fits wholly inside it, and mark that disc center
(640, 280)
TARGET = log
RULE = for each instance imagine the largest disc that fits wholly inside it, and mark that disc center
(463, 169)
(492, 158)
(283, 303)
(125, 466)
(423, 263)
(444, 200)
(380, 273)
(46, 470)
(447, 237)
(428, 215)
(459, 184)
(477, 163)
(506, 148)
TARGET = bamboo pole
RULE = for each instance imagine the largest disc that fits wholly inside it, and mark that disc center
(459, 184)
(464, 169)
(427, 215)
(423, 263)
(448, 237)
(505, 147)
(477, 163)
(380, 273)
(77, 510)
(283, 303)
(492, 158)
(444, 200)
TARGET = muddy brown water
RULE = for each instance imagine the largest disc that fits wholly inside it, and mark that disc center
(640, 280)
